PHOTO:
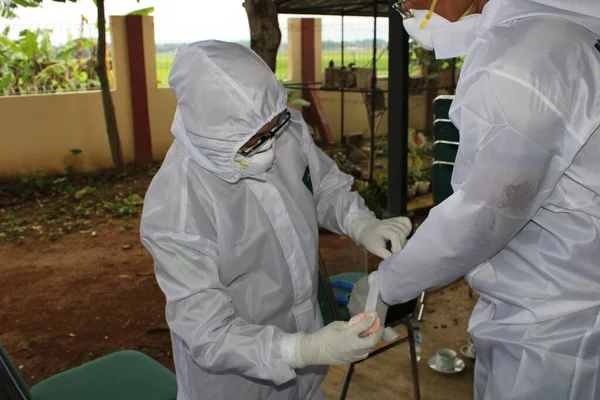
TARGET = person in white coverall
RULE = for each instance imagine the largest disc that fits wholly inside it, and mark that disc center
(231, 220)
(523, 224)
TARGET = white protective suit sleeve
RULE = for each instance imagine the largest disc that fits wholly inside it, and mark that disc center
(336, 203)
(199, 311)
(515, 146)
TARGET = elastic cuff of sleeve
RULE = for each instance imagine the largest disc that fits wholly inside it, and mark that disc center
(356, 223)
(290, 350)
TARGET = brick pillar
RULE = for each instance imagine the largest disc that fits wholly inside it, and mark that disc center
(139, 90)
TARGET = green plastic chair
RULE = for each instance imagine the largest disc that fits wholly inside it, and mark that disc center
(445, 148)
(441, 106)
(397, 314)
(124, 375)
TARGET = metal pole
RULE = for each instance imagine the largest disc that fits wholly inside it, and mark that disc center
(397, 116)
(373, 93)
(343, 85)
(453, 76)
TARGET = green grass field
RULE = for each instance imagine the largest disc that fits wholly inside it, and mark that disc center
(361, 58)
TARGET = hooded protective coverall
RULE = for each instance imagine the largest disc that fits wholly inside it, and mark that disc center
(237, 258)
(523, 223)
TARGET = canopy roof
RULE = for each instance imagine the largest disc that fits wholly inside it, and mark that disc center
(361, 8)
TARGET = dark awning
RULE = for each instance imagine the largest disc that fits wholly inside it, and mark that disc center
(360, 8)
(398, 83)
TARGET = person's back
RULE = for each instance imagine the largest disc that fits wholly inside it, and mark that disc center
(540, 294)
(523, 222)
(196, 202)
(560, 243)
(231, 220)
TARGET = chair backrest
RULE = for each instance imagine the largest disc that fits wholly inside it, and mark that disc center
(441, 106)
(445, 141)
(12, 386)
(444, 129)
(326, 297)
(445, 148)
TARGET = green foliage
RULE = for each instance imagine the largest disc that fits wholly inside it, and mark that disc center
(418, 148)
(298, 101)
(125, 206)
(165, 54)
(418, 56)
(142, 11)
(375, 193)
(46, 207)
(347, 166)
(31, 64)
(8, 7)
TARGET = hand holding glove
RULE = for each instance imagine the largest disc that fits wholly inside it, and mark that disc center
(358, 298)
(374, 234)
(337, 343)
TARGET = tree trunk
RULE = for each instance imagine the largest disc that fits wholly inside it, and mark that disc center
(265, 35)
(109, 108)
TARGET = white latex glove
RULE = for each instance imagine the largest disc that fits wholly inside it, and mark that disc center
(358, 298)
(374, 234)
(335, 344)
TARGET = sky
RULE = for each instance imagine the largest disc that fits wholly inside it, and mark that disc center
(180, 20)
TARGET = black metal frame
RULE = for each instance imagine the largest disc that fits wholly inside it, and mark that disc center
(410, 338)
(354, 8)
(398, 88)
(9, 381)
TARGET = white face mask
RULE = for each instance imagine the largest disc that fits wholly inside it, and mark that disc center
(421, 26)
(420, 29)
(259, 162)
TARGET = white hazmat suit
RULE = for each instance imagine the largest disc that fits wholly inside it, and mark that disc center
(523, 223)
(237, 257)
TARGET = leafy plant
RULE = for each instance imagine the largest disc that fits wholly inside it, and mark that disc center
(7, 7)
(102, 70)
(298, 101)
(375, 193)
(47, 207)
(418, 147)
(418, 57)
(31, 64)
(125, 206)
(347, 166)
(447, 64)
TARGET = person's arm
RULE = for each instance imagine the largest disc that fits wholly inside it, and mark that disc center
(343, 211)
(200, 312)
(334, 198)
(515, 146)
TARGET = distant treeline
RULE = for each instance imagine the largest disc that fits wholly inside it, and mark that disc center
(363, 44)
(326, 45)
(171, 47)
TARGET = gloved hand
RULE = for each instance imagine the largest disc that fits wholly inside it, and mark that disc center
(358, 298)
(374, 234)
(334, 344)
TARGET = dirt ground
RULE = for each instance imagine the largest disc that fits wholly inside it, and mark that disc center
(81, 296)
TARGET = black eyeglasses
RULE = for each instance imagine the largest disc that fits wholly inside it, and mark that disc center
(402, 10)
(252, 150)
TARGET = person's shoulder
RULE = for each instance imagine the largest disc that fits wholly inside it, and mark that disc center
(179, 188)
(553, 57)
(538, 45)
